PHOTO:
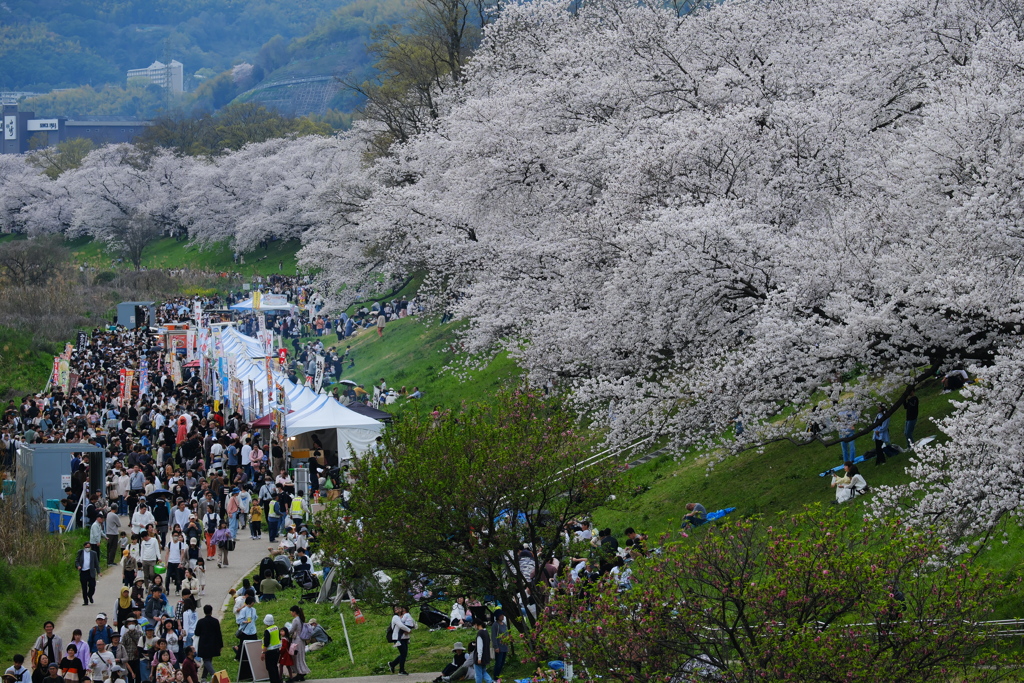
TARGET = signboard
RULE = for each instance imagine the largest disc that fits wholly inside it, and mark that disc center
(65, 481)
(318, 382)
(43, 124)
(10, 127)
(82, 340)
(257, 299)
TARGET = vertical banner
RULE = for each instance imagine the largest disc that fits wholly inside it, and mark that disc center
(252, 401)
(64, 375)
(222, 370)
(197, 312)
(129, 378)
(176, 371)
(144, 378)
(121, 376)
(257, 299)
(269, 363)
(190, 345)
(282, 357)
(82, 340)
(261, 322)
(55, 376)
(318, 380)
(203, 348)
(68, 348)
(261, 406)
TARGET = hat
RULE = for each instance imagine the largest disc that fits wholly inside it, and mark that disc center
(458, 646)
(498, 613)
(53, 665)
(101, 615)
(130, 620)
(193, 541)
(235, 490)
(268, 620)
(149, 627)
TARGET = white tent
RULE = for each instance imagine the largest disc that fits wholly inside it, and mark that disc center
(268, 302)
(325, 413)
(336, 426)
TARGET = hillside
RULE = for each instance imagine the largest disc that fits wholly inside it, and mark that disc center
(54, 45)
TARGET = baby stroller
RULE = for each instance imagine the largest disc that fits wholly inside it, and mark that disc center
(283, 571)
(306, 580)
(433, 619)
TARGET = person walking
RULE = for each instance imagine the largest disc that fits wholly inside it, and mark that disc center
(271, 648)
(402, 625)
(246, 621)
(49, 644)
(149, 555)
(295, 632)
(223, 540)
(112, 527)
(211, 642)
(499, 636)
(87, 562)
(881, 435)
(483, 652)
(911, 405)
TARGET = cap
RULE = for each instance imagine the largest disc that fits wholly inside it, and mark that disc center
(101, 615)
(268, 620)
(458, 646)
(498, 613)
(235, 490)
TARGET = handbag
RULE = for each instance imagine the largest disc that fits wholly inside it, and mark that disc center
(240, 634)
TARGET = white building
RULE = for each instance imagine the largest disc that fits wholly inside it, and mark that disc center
(165, 75)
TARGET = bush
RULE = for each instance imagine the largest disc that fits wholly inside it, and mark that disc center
(105, 277)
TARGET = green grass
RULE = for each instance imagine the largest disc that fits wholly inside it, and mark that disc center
(782, 477)
(416, 354)
(31, 595)
(171, 253)
(25, 364)
(429, 651)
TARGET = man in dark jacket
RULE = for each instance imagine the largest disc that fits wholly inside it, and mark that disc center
(87, 562)
(210, 640)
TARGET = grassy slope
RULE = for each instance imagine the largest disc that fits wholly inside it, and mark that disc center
(429, 651)
(170, 253)
(783, 477)
(24, 367)
(31, 595)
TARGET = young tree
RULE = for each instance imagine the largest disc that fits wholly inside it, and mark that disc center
(807, 597)
(457, 497)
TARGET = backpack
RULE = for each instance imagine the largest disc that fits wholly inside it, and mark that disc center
(390, 634)
(306, 632)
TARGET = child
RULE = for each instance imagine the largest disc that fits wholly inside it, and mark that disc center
(193, 552)
(256, 521)
(201, 575)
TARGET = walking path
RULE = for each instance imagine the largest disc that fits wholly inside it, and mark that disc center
(243, 559)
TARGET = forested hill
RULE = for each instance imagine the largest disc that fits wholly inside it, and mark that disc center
(67, 43)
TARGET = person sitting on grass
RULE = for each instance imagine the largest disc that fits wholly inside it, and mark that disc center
(695, 516)
(458, 660)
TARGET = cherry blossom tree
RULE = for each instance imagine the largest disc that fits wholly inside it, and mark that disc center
(741, 211)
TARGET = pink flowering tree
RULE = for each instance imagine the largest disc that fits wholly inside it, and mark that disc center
(810, 597)
(450, 500)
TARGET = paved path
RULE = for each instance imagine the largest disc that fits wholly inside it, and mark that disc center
(388, 678)
(243, 559)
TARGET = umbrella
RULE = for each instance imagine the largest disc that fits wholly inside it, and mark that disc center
(157, 492)
(348, 382)
(191, 364)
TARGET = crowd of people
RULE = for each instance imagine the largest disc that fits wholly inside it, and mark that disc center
(184, 479)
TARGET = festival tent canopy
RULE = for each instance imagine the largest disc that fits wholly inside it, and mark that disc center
(268, 302)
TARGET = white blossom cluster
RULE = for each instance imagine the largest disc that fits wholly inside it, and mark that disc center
(742, 211)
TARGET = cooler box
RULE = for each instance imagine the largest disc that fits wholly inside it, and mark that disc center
(56, 519)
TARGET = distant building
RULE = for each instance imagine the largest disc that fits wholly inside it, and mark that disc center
(165, 75)
(12, 97)
(20, 128)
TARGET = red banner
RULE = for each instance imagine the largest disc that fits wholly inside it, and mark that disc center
(123, 374)
(282, 355)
